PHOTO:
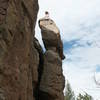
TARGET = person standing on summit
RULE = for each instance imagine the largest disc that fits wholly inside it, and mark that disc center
(47, 15)
(51, 35)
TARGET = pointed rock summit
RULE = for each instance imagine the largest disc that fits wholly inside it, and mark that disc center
(51, 36)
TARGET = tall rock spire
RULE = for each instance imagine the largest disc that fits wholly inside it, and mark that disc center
(52, 80)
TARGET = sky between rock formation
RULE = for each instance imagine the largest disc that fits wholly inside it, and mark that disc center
(79, 23)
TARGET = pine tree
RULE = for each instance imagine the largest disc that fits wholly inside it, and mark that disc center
(69, 94)
(84, 97)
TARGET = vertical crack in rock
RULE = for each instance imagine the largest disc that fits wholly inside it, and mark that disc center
(40, 66)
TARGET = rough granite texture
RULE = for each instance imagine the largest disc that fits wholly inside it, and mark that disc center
(52, 81)
(23, 64)
(18, 57)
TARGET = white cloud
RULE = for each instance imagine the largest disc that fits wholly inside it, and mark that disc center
(77, 20)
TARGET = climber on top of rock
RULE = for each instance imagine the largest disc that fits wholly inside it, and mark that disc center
(51, 35)
(46, 15)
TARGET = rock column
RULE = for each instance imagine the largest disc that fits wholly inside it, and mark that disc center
(52, 80)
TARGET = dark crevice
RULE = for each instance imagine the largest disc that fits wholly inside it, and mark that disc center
(19, 98)
(45, 96)
(2, 14)
(10, 32)
(4, 35)
(3, 10)
(41, 58)
(40, 67)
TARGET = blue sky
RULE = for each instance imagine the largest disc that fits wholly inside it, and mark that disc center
(79, 24)
(98, 68)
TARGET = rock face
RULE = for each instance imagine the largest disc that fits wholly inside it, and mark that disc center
(23, 65)
(52, 81)
(19, 59)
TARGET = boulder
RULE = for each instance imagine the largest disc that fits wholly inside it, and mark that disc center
(51, 36)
